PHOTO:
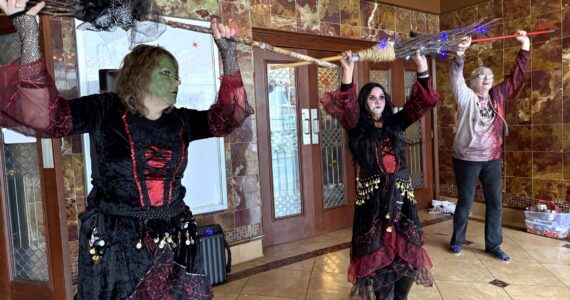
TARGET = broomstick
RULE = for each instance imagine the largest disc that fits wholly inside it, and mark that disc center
(440, 43)
(66, 9)
(543, 27)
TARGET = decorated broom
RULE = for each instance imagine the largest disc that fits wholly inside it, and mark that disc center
(440, 43)
(106, 15)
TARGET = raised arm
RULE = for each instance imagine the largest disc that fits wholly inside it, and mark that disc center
(343, 103)
(513, 81)
(458, 86)
(422, 97)
(231, 108)
(29, 102)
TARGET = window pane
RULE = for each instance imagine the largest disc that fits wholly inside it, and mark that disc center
(284, 142)
(332, 141)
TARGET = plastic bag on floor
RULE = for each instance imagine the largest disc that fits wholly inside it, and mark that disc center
(440, 207)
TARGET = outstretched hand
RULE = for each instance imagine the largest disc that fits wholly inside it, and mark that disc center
(10, 7)
(523, 39)
(421, 61)
(220, 30)
(463, 45)
(347, 67)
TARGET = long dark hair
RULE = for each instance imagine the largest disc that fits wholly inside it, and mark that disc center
(362, 139)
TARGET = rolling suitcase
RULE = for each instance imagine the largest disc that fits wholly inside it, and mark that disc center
(215, 252)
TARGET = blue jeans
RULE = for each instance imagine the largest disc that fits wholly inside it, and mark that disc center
(466, 174)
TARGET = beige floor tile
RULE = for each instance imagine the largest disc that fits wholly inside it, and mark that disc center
(425, 215)
(335, 262)
(306, 265)
(562, 272)
(528, 239)
(318, 243)
(256, 297)
(233, 287)
(524, 292)
(460, 270)
(277, 249)
(342, 236)
(219, 296)
(440, 249)
(440, 232)
(283, 254)
(328, 286)
(470, 291)
(524, 273)
(420, 292)
(550, 255)
(278, 283)
(247, 265)
(515, 252)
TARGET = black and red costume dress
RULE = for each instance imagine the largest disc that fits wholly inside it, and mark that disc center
(137, 237)
(387, 237)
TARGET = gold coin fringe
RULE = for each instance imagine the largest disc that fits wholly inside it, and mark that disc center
(365, 188)
(406, 189)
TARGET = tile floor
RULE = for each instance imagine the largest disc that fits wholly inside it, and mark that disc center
(539, 268)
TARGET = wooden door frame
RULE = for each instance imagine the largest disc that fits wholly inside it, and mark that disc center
(285, 231)
(55, 218)
(342, 216)
(306, 42)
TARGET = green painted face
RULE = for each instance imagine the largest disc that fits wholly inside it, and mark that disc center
(163, 83)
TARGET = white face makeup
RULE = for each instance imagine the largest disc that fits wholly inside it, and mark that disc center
(376, 102)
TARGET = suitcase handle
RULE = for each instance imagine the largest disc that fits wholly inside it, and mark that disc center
(229, 256)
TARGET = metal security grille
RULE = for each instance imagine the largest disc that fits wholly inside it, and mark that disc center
(284, 142)
(414, 149)
(331, 141)
(25, 211)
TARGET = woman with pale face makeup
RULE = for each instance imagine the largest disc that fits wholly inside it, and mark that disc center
(386, 254)
(137, 237)
(478, 140)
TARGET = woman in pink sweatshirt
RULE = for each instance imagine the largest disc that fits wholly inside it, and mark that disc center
(478, 140)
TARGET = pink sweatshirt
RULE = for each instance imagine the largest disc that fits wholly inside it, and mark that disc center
(479, 137)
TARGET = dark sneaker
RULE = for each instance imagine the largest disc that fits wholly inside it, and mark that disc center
(500, 255)
(455, 249)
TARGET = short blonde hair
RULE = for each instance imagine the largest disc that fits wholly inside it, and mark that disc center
(476, 73)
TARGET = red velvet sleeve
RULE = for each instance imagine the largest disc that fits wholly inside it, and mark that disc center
(30, 103)
(343, 105)
(513, 81)
(421, 100)
(231, 109)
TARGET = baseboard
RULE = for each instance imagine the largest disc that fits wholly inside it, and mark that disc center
(246, 251)
(511, 217)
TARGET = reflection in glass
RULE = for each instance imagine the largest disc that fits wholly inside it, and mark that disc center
(332, 141)
(25, 211)
(284, 142)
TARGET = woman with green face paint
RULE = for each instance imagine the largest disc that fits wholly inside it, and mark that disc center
(137, 237)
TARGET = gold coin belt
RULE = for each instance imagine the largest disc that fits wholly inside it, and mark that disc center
(406, 189)
(365, 188)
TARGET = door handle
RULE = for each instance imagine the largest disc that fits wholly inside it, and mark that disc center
(315, 125)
